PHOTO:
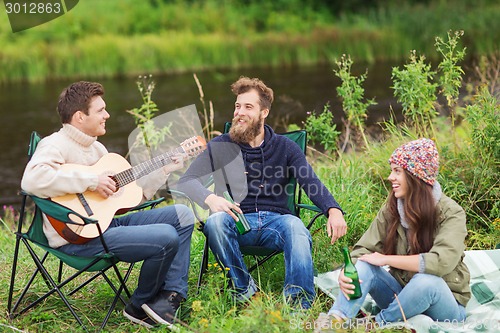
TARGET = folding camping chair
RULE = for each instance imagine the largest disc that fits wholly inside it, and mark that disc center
(34, 238)
(262, 254)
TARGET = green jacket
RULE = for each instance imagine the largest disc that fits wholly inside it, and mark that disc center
(444, 259)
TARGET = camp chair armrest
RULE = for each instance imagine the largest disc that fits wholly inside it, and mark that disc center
(146, 204)
(310, 207)
(60, 212)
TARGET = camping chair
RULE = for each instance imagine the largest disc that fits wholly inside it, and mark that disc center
(34, 238)
(262, 254)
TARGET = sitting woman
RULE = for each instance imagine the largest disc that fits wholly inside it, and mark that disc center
(419, 234)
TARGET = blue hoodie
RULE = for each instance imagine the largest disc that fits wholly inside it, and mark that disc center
(260, 181)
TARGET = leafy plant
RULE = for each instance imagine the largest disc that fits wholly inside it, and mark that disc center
(414, 89)
(322, 129)
(351, 93)
(149, 135)
(483, 116)
(451, 73)
(450, 80)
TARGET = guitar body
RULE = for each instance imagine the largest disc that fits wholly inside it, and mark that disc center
(129, 194)
(98, 208)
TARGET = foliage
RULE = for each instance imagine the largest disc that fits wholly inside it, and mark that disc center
(415, 86)
(483, 116)
(322, 129)
(351, 93)
(149, 135)
(472, 170)
(197, 35)
(451, 73)
(469, 168)
(414, 89)
(469, 172)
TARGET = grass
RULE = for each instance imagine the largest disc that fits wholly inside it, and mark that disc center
(117, 38)
(356, 179)
(212, 310)
(469, 174)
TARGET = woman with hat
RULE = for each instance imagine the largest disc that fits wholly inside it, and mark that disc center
(419, 236)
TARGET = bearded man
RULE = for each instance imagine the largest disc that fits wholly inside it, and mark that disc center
(268, 161)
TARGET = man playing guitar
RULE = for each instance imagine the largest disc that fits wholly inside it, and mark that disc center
(159, 237)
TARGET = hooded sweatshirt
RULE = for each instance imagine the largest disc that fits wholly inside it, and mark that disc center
(257, 177)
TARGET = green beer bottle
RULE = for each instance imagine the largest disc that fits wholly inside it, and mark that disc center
(351, 272)
(242, 224)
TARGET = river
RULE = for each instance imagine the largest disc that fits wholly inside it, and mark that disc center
(298, 90)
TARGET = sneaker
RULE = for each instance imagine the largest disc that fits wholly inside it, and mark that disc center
(251, 291)
(163, 308)
(138, 316)
(298, 302)
(174, 298)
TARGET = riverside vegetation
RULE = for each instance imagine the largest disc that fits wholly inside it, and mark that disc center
(465, 128)
(128, 37)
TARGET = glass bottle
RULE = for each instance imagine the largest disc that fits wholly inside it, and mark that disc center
(242, 223)
(351, 272)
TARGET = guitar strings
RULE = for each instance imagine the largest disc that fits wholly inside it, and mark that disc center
(127, 176)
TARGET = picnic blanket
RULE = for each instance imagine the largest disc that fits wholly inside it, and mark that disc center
(483, 310)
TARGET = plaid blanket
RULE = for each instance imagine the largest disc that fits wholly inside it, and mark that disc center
(483, 310)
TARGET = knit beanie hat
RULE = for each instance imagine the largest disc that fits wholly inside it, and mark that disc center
(420, 158)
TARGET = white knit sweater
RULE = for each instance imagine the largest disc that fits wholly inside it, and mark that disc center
(43, 177)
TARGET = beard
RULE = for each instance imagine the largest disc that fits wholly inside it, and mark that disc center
(244, 135)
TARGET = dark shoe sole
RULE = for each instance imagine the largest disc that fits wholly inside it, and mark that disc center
(137, 320)
(153, 315)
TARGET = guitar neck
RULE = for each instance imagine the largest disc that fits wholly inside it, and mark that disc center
(127, 176)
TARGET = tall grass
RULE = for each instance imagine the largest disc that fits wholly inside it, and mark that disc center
(113, 38)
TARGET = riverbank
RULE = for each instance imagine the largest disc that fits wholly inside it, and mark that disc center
(112, 39)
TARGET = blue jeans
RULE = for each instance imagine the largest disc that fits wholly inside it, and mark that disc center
(271, 230)
(424, 294)
(159, 237)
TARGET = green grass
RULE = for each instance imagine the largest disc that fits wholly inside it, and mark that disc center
(468, 173)
(358, 182)
(116, 38)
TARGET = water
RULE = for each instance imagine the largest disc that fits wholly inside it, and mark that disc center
(27, 107)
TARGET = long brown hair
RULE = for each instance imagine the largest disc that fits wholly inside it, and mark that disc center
(420, 213)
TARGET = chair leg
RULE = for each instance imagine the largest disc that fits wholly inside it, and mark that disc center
(59, 274)
(12, 312)
(203, 266)
(125, 279)
(13, 275)
(263, 260)
(16, 255)
(55, 288)
(118, 295)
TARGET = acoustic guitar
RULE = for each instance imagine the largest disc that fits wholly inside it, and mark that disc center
(129, 194)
